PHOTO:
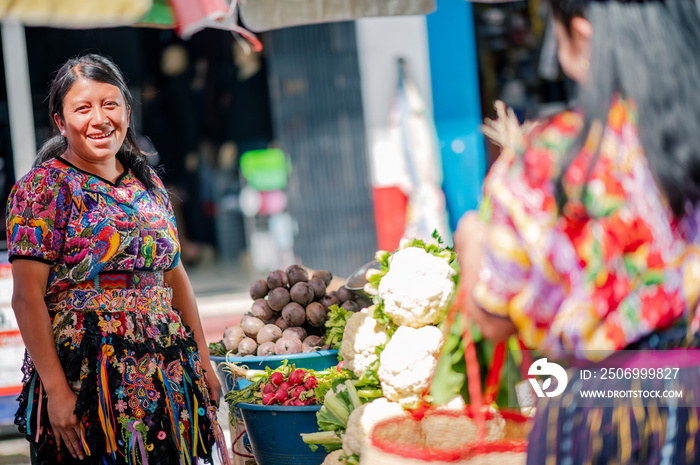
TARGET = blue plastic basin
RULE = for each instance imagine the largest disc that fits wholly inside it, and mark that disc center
(319, 360)
(274, 433)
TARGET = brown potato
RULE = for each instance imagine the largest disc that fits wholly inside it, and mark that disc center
(316, 314)
(350, 306)
(278, 298)
(288, 345)
(302, 293)
(281, 323)
(295, 331)
(277, 278)
(318, 286)
(294, 314)
(269, 333)
(325, 275)
(258, 289)
(297, 274)
(248, 346)
(344, 294)
(328, 300)
(232, 337)
(311, 343)
(261, 309)
(265, 349)
(251, 325)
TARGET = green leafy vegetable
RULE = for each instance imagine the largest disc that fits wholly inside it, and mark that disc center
(335, 325)
(383, 318)
(329, 381)
(217, 349)
(450, 377)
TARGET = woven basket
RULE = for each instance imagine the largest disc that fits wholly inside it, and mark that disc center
(470, 437)
(446, 437)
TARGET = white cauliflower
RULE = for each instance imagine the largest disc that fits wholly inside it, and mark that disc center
(363, 334)
(363, 419)
(408, 363)
(417, 288)
(334, 458)
(457, 404)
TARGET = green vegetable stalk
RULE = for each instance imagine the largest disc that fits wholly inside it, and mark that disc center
(330, 440)
(333, 416)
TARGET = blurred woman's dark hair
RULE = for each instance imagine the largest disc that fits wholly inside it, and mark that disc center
(99, 69)
(647, 51)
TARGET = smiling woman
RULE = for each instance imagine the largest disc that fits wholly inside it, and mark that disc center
(95, 119)
(117, 364)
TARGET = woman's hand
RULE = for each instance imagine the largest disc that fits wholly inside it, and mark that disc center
(470, 239)
(214, 385)
(64, 423)
(29, 286)
(184, 300)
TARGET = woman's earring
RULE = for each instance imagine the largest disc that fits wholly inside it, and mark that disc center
(63, 133)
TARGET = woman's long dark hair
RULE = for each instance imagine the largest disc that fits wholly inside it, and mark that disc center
(649, 52)
(99, 69)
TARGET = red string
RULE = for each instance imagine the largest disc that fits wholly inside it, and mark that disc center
(470, 360)
(233, 447)
(493, 379)
(526, 359)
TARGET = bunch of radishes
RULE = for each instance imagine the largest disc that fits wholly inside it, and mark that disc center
(297, 389)
(288, 313)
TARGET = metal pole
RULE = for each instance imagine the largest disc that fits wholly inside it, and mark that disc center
(19, 96)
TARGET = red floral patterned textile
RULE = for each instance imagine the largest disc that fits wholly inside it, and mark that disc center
(614, 267)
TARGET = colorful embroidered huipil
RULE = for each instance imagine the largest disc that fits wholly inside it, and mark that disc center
(142, 394)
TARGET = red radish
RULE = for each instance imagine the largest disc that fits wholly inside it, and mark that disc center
(310, 383)
(340, 365)
(276, 378)
(281, 395)
(268, 388)
(297, 376)
(297, 391)
(289, 402)
(310, 401)
(299, 402)
(285, 386)
(269, 398)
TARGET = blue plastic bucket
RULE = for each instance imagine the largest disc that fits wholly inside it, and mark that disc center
(274, 433)
(319, 360)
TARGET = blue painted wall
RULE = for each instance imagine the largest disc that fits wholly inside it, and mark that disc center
(456, 105)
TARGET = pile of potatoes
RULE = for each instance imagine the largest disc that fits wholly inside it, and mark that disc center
(288, 313)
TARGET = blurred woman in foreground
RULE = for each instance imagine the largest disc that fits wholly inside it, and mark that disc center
(588, 238)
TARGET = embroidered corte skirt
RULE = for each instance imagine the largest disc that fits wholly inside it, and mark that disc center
(134, 365)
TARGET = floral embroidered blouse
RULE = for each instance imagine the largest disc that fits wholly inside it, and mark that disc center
(83, 225)
(614, 267)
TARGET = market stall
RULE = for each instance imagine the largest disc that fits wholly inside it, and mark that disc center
(392, 353)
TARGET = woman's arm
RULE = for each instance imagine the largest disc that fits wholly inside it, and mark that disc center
(470, 240)
(29, 286)
(184, 301)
